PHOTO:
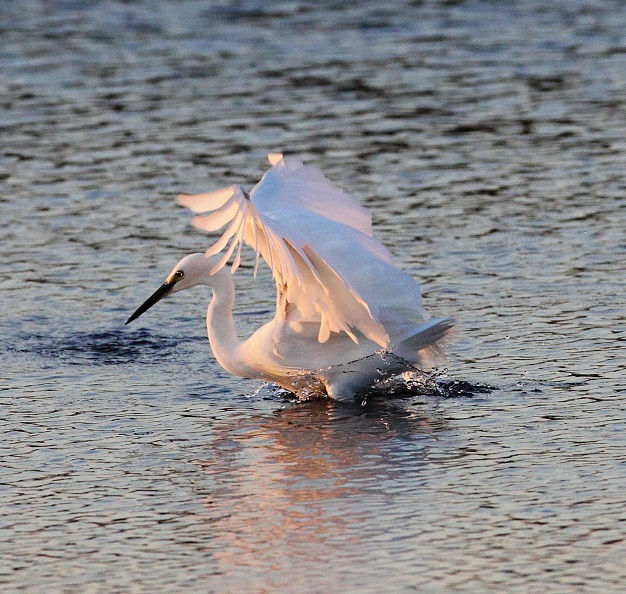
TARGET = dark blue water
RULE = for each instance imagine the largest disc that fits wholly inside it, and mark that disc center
(487, 138)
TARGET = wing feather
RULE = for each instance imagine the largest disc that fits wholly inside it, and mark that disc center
(207, 201)
(290, 184)
(318, 242)
(236, 240)
(219, 218)
(221, 243)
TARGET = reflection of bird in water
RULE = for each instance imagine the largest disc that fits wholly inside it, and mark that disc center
(277, 488)
(346, 317)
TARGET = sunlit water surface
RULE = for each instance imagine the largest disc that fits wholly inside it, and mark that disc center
(487, 138)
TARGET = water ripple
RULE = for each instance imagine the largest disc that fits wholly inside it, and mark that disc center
(111, 347)
(487, 139)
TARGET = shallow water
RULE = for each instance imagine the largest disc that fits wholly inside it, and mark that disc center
(488, 140)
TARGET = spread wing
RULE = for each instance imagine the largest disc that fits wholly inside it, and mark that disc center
(317, 240)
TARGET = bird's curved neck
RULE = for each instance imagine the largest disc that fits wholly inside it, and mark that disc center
(221, 326)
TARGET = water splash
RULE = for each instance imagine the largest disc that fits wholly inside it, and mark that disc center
(413, 382)
(308, 385)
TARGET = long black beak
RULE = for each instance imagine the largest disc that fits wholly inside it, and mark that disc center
(161, 292)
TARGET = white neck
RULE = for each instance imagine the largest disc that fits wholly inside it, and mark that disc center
(221, 326)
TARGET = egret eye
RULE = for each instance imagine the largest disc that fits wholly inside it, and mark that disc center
(178, 275)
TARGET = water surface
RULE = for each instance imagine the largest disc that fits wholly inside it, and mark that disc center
(487, 138)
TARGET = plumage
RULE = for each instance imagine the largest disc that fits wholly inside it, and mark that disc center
(345, 316)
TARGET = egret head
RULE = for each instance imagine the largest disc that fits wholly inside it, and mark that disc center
(192, 270)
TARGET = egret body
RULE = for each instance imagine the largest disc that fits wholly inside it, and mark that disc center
(346, 317)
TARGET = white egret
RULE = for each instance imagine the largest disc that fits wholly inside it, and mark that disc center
(346, 317)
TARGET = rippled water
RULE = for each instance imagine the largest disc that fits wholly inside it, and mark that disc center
(488, 140)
